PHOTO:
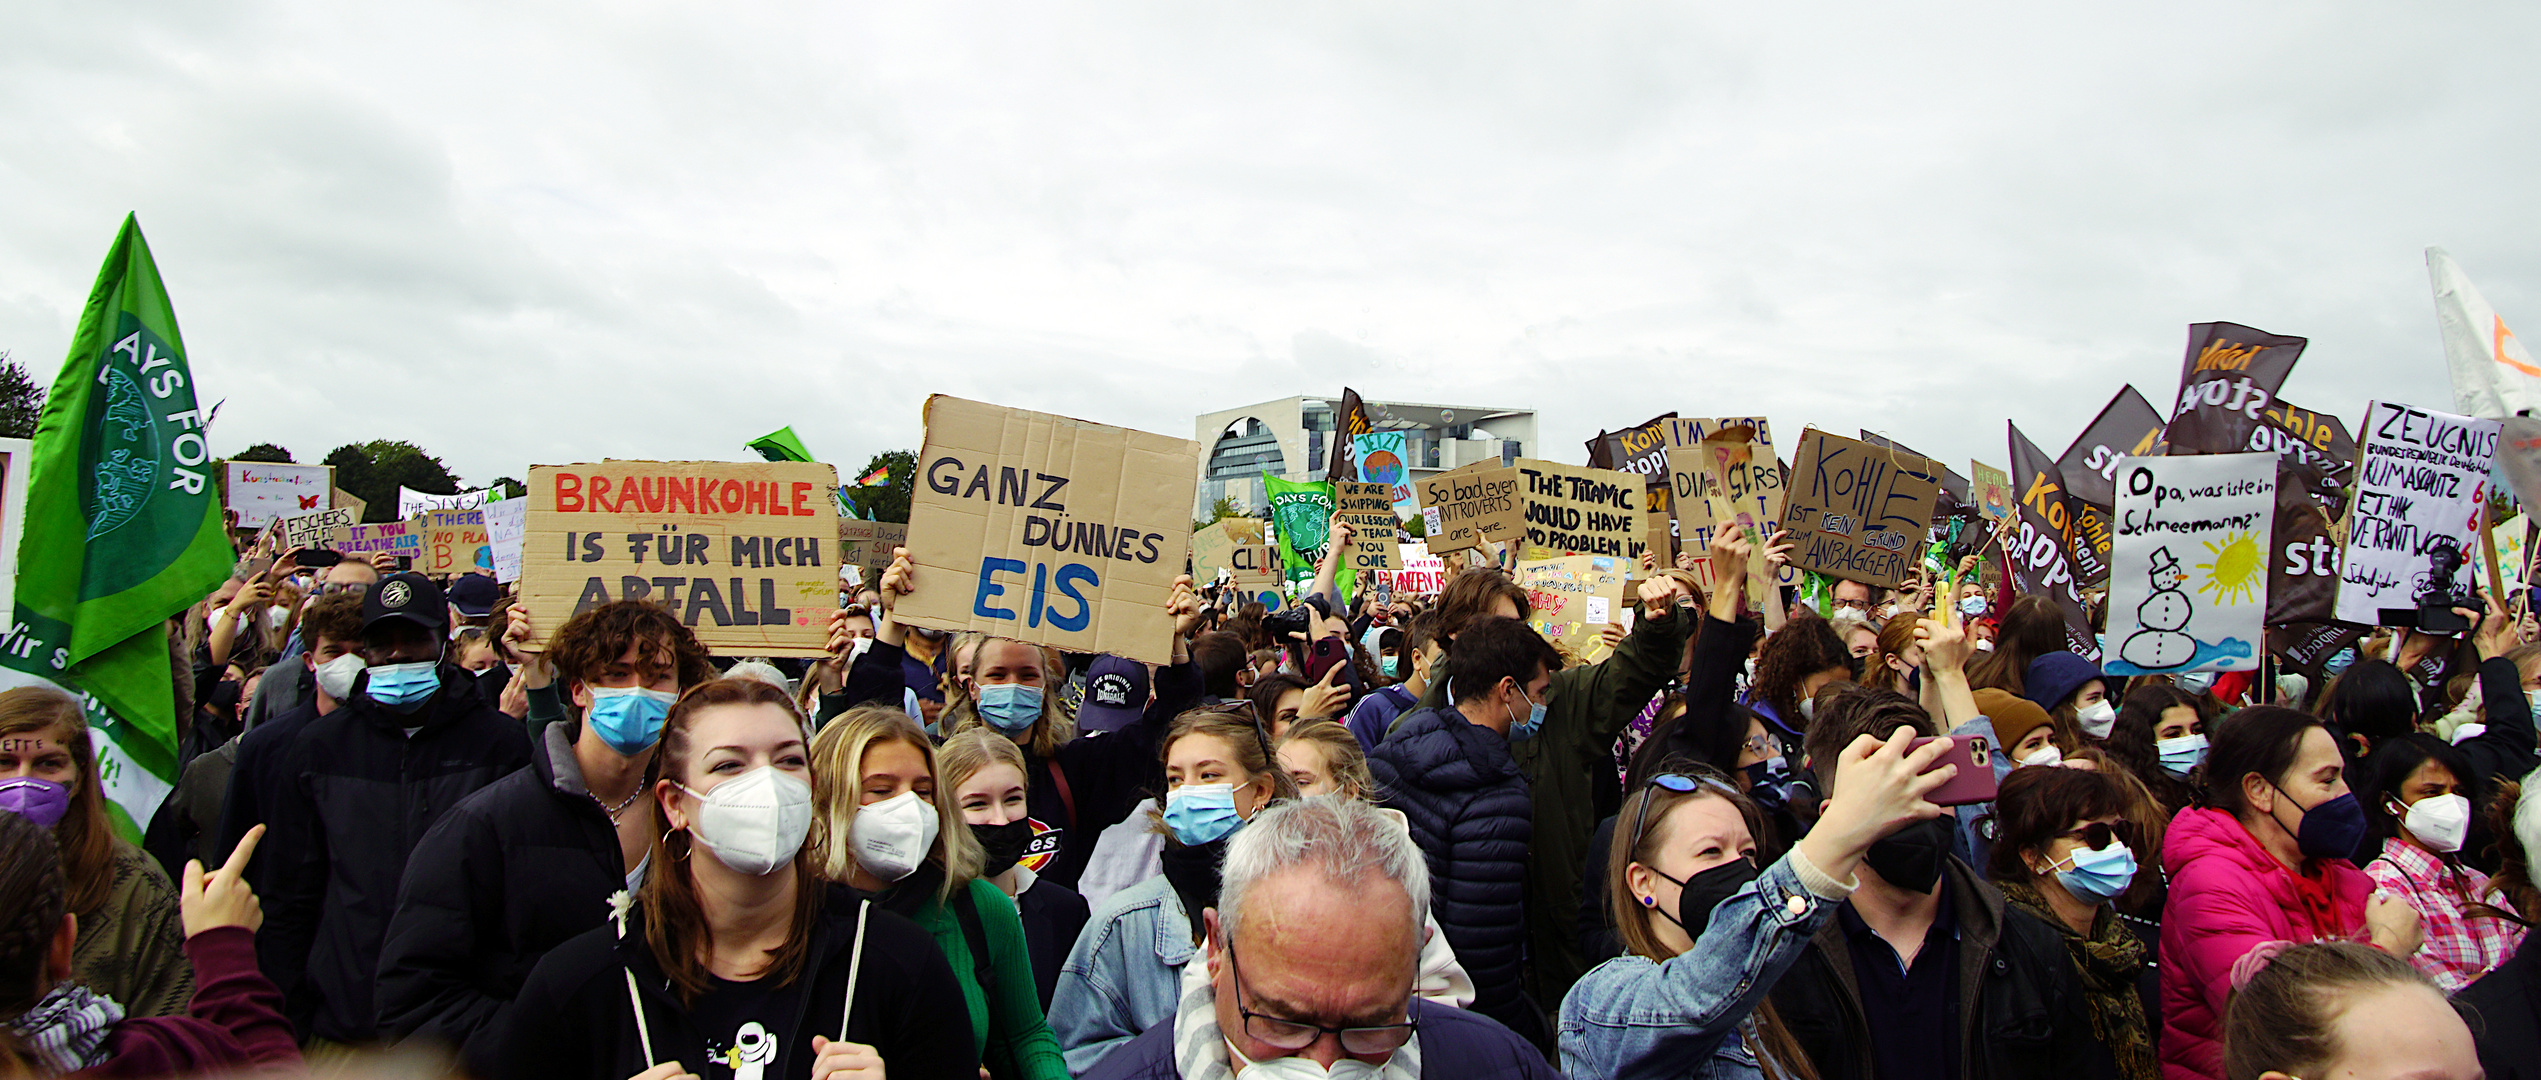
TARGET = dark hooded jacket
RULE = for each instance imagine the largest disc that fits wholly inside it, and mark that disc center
(1468, 806)
(520, 867)
(360, 795)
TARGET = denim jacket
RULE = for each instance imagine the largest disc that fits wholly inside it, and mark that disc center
(1632, 1017)
(1125, 973)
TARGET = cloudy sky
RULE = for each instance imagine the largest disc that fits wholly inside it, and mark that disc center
(545, 232)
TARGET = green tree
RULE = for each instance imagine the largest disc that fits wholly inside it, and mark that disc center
(373, 471)
(21, 400)
(265, 452)
(1219, 511)
(887, 501)
(1416, 527)
(512, 489)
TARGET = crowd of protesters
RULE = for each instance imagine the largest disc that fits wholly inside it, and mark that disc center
(1375, 836)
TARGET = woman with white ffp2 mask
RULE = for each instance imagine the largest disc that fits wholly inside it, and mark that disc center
(2071, 690)
(896, 836)
(2421, 816)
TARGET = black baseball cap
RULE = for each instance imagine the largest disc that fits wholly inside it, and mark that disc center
(410, 596)
(1115, 694)
(474, 595)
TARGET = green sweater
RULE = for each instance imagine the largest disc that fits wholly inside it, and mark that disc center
(1014, 1039)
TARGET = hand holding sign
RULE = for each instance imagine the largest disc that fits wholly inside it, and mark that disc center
(1729, 564)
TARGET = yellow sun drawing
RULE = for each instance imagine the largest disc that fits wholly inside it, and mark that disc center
(2233, 576)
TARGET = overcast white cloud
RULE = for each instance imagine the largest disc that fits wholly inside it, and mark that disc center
(531, 232)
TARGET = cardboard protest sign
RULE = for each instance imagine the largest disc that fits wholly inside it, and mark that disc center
(2303, 572)
(345, 500)
(455, 542)
(867, 545)
(2037, 546)
(1990, 489)
(1471, 506)
(311, 530)
(1572, 598)
(1686, 486)
(2190, 589)
(1955, 498)
(1048, 529)
(412, 503)
(400, 538)
(1856, 511)
(1658, 522)
(262, 491)
(1575, 510)
(1385, 459)
(2230, 375)
(745, 553)
(1369, 510)
(2128, 426)
(506, 522)
(1238, 547)
(1742, 485)
(2511, 554)
(2421, 484)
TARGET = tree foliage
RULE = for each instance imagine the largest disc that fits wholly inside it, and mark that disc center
(888, 501)
(265, 452)
(21, 400)
(512, 489)
(373, 471)
(1219, 511)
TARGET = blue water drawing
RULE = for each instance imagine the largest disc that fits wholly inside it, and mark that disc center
(2229, 649)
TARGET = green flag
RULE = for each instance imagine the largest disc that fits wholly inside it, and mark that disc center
(781, 445)
(1303, 514)
(122, 527)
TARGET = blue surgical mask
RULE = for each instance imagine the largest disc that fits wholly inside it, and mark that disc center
(629, 718)
(2181, 754)
(2099, 874)
(1387, 665)
(1201, 813)
(1971, 606)
(1010, 707)
(1521, 732)
(404, 687)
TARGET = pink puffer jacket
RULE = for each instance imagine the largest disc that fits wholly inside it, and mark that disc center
(2227, 897)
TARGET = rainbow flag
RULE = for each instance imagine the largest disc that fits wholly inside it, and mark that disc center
(877, 478)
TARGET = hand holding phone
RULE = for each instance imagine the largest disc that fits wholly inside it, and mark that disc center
(1975, 783)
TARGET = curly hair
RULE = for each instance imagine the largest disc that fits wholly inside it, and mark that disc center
(591, 643)
(1806, 645)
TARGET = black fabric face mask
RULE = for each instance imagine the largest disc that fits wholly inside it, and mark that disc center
(1703, 892)
(1003, 845)
(1911, 857)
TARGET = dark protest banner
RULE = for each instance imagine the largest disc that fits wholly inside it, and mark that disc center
(745, 553)
(1574, 510)
(2321, 431)
(1049, 530)
(1369, 510)
(1641, 448)
(1348, 422)
(1856, 511)
(1957, 495)
(2192, 541)
(2421, 485)
(1470, 506)
(2128, 426)
(2227, 382)
(2303, 572)
(2038, 548)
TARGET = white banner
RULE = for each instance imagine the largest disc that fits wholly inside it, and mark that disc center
(2421, 484)
(2189, 563)
(505, 523)
(262, 491)
(2493, 376)
(412, 503)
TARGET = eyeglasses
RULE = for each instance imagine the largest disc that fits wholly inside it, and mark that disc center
(1286, 1034)
(1676, 782)
(2097, 834)
(1762, 745)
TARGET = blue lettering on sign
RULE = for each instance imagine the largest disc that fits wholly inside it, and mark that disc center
(989, 568)
(1068, 577)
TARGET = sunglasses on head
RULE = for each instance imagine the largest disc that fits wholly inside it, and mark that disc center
(1679, 783)
(2097, 834)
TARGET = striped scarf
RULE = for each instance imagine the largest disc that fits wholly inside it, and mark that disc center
(67, 1030)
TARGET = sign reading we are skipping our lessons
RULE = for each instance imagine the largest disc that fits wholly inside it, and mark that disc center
(1048, 529)
(745, 553)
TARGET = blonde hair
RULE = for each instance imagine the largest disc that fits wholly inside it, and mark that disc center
(1343, 757)
(1245, 741)
(1046, 735)
(976, 748)
(838, 760)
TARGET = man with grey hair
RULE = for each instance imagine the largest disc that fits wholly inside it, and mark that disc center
(1311, 954)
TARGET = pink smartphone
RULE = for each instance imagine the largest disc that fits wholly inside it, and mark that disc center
(1974, 755)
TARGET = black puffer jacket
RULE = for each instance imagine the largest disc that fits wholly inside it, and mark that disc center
(1469, 809)
(573, 1020)
(361, 793)
(2021, 1009)
(520, 867)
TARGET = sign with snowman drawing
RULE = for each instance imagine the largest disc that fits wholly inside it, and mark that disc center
(2188, 587)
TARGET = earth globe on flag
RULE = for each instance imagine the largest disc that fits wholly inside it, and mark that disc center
(1383, 467)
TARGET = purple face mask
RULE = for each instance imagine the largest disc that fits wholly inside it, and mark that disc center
(35, 799)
